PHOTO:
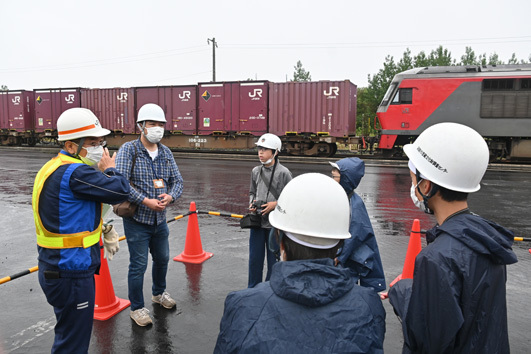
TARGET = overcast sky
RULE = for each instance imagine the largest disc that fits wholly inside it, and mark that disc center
(50, 44)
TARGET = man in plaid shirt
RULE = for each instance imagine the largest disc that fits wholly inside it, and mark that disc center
(156, 182)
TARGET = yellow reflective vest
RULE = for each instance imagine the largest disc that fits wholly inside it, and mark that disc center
(48, 239)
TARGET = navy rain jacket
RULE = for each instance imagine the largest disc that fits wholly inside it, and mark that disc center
(360, 252)
(456, 302)
(309, 306)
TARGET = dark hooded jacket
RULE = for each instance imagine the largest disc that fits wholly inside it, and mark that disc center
(308, 306)
(360, 252)
(456, 302)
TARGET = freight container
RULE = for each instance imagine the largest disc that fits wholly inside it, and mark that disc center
(50, 103)
(249, 108)
(178, 102)
(320, 108)
(215, 108)
(115, 108)
(16, 111)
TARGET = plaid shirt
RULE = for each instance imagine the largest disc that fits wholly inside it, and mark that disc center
(144, 172)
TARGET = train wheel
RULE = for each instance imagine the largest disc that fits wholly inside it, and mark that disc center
(32, 141)
(324, 150)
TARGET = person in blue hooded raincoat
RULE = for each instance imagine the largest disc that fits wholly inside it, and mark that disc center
(456, 301)
(309, 305)
(360, 253)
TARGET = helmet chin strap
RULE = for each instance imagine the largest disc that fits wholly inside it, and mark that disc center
(142, 128)
(433, 190)
(80, 146)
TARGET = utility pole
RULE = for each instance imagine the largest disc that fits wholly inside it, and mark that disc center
(214, 46)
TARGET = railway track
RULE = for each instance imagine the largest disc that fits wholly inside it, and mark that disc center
(250, 155)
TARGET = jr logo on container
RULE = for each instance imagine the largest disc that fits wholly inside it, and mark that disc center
(71, 98)
(256, 94)
(123, 97)
(185, 96)
(16, 100)
(333, 92)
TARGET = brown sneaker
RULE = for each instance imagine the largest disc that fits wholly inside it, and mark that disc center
(141, 317)
(164, 299)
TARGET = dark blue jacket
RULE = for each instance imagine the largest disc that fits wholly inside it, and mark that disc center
(360, 252)
(456, 302)
(308, 306)
(87, 189)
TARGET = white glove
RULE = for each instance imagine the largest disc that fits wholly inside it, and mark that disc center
(110, 242)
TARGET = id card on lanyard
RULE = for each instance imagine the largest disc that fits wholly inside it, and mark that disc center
(158, 183)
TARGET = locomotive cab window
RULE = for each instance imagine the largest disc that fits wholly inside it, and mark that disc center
(388, 94)
(403, 96)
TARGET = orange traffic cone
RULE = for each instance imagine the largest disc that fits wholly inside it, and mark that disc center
(193, 249)
(413, 249)
(107, 304)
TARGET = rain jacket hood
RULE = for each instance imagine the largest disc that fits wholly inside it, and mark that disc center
(352, 170)
(315, 284)
(308, 306)
(480, 235)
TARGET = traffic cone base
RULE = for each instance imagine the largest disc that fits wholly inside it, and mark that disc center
(193, 249)
(106, 303)
(195, 259)
(103, 313)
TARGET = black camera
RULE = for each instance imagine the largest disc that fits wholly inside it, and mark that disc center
(258, 205)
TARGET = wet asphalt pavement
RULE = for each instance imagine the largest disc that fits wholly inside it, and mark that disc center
(26, 320)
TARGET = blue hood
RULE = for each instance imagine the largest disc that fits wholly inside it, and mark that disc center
(481, 235)
(352, 169)
(311, 283)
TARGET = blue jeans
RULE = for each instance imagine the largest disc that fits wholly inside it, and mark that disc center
(257, 250)
(142, 238)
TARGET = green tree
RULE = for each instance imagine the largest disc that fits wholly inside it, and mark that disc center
(441, 57)
(469, 58)
(365, 114)
(300, 74)
(513, 59)
(3, 88)
(495, 60)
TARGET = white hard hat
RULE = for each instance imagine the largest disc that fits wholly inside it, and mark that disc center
(270, 141)
(76, 123)
(450, 155)
(151, 111)
(314, 209)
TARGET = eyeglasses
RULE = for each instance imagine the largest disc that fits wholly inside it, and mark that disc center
(102, 143)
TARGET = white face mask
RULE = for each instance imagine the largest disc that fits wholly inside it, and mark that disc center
(94, 155)
(154, 134)
(418, 203)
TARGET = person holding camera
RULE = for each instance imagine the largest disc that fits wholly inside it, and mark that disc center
(267, 182)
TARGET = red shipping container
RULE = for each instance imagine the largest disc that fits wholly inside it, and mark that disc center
(114, 107)
(249, 108)
(16, 110)
(50, 103)
(215, 108)
(178, 102)
(326, 108)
